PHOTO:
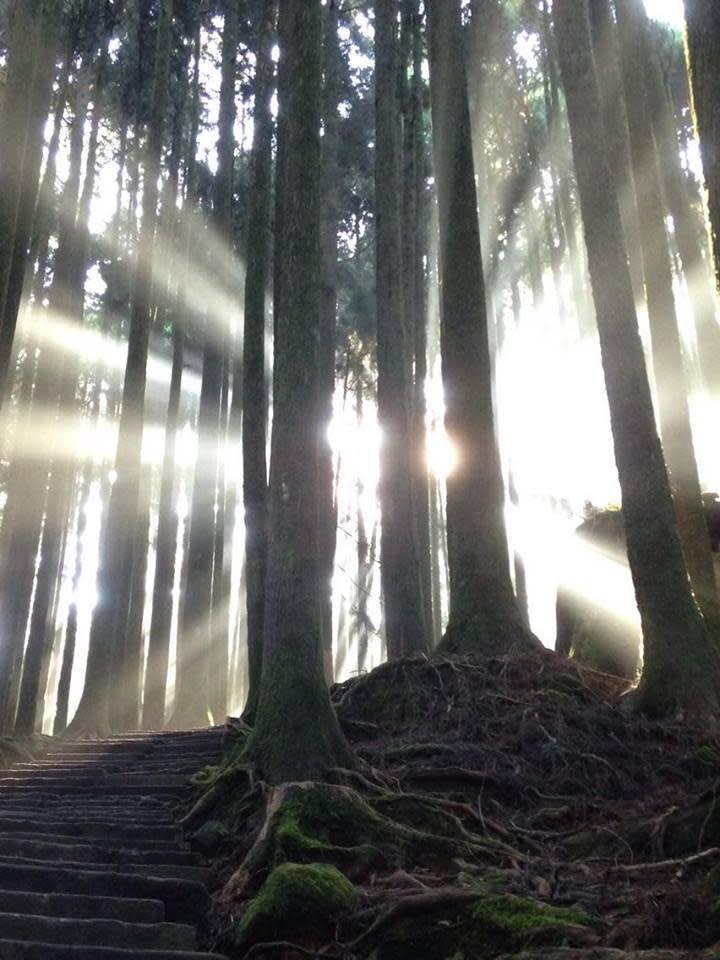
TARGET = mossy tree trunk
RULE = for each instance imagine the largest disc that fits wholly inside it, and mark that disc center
(401, 580)
(110, 616)
(702, 36)
(254, 382)
(484, 617)
(681, 671)
(296, 733)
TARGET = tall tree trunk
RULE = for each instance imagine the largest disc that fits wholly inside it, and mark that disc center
(46, 213)
(30, 71)
(71, 627)
(296, 734)
(223, 213)
(401, 581)
(115, 568)
(703, 53)
(414, 299)
(681, 672)
(330, 213)
(162, 605)
(688, 225)
(254, 385)
(67, 297)
(674, 412)
(194, 639)
(200, 636)
(616, 130)
(483, 614)
(126, 703)
(23, 515)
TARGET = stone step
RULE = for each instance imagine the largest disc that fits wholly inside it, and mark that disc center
(91, 814)
(98, 779)
(86, 747)
(65, 788)
(85, 828)
(19, 950)
(77, 759)
(170, 871)
(101, 933)
(185, 900)
(11, 846)
(91, 859)
(91, 908)
(129, 800)
(86, 769)
(146, 846)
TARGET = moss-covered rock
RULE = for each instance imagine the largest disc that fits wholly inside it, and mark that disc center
(515, 920)
(481, 929)
(297, 900)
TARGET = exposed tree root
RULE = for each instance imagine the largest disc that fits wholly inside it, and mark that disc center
(466, 828)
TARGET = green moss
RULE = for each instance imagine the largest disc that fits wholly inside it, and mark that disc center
(335, 824)
(492, 924)
(206, 776)
(322, 824)
(518, 918)
(296, 897)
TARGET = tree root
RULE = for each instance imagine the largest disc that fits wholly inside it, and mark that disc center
(223, 785)
(274, 946)
(418, 903)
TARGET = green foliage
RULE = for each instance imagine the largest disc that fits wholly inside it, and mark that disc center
(294, 897)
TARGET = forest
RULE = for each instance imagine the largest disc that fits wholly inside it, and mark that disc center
(359, 479)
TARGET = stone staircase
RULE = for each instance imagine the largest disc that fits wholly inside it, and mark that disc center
(92, 864)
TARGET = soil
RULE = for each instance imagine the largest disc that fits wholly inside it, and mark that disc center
(508, 807)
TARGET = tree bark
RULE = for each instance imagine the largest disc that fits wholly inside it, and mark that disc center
(401, 582)
(254, 384)
(702, 36)
(296, 734)
(330, 214)
(615, 123)
(223, 214)
(484, 617)
(414, 292)
(30, 71)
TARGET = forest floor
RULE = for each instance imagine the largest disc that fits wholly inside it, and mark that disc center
(504, 808)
